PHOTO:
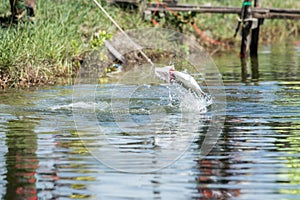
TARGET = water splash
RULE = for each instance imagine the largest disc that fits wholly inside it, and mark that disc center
(187, 100)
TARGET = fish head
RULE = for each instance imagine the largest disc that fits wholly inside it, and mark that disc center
(165, 73)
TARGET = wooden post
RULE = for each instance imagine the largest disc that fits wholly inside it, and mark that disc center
(254, 68)
(246, 17)
(246, 23)
(255, 33)
(244, 70)
(143, 6)
(254, 46)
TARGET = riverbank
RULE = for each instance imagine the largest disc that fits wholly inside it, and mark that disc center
(65, 32)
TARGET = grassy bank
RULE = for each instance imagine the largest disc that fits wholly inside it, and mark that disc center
(54, 46)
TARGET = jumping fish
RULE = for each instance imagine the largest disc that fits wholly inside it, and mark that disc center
(169, 74)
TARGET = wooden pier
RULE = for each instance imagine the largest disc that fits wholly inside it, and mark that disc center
(266, 13)
(173, 5)
(251, 16)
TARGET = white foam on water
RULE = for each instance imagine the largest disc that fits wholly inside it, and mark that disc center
(82, 105)
(188, 100)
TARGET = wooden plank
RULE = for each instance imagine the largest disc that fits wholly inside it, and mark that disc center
(274, 13)
(114, 52)
(170, 2)
(202, 9)
(282, 10)
(268, 13)
(172, 5)
(124, 1)
(276, 16)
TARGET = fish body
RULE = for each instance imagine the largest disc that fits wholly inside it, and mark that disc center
(188, 82)
(169, 74)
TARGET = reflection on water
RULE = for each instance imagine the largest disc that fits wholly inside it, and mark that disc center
(148, 126)
(245, 71)
(256, 157)
(276, 63)
(21, 160)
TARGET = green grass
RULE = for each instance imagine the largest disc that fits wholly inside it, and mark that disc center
(56, 43)
(62, 35)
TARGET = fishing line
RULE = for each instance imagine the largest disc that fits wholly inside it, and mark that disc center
(123, 32)
(130, 40)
